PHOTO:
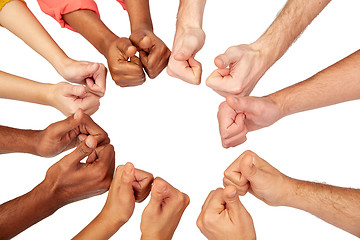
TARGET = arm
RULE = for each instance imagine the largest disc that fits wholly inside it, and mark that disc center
(116, 50)
(129, 185)
(335, 84)
(55, 191)
(242, 66)
(15, 15)
(63, 96)
(335, 205)
(54, 139)
(189, 39)
(153, 52)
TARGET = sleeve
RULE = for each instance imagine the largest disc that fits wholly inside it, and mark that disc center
(122, 2)
(4, 2)
(57, 8)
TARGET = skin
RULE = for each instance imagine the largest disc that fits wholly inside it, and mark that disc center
(242, 66)
(163, 212)
(189, 39)
(125, 68)
(335, 205)
(129, 185)
(223, 217)
(53, 140)
(15, 15)
(335, 84)
(65, 182)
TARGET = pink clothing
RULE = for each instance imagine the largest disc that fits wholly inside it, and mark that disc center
(57, 8)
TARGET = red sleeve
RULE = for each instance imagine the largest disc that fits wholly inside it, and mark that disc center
(57, 8)
(122, 2)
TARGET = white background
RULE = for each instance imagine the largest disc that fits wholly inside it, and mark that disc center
(169, 127)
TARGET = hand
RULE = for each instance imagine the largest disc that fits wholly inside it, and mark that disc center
(239, 115)
(129, 185)
(125, 68)
(68, 98)
(250, 173)
(182, 64)
(71, 180)
(93, 75)
(239, 70)
(223, 217)
(66, 134)
(153, 52)
(163, 213)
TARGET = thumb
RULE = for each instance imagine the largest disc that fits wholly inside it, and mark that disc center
(231, 198)
(248, 168)
(91, 68)
(63, 127)
(141, 40)
(240, 104)
(75, 90)
(185, 51)
(84, 149)
(128, 177)
(158, 192)
(230, 56)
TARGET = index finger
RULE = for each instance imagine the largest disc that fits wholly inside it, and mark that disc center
(88, 126)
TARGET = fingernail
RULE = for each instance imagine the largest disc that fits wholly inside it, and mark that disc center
(81, 138)
(252, 162)
(160, 190)
(233, 194)
(128, 168)
(89, 143)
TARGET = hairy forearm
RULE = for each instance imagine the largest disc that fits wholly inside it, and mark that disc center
(99, 228)
(288, 25)
(335, 84)
(18, 140)
(17, 18)
(90, 26)
(191, 13)
(22, 89)
(139, 14)
(335, 205)
(23, 212)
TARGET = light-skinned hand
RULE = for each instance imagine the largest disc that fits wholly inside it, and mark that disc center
(93, 75)
(163, 212)
(153, 52)
(250, 173)
(239, 115)
(182, 63)
(239, 70)
(68, 133)
(71, 180)
(129, 185)
(125, 68)
(67, 98)
(223, 217)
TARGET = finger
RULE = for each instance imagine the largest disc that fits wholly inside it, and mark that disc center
(217, 79)
(141, 40)
(241, 104)
(157, 60)
(248, 168)
(142, 184)
(216, 202)
(158, 194)
(196, 68)
(105, 161)
(185, 50)
(226, 118)
(241, 189)
(74, 90)
(207, 200)
(84, 149)
(88, 126)
(97, 83)
(233, 204)
(127, 178)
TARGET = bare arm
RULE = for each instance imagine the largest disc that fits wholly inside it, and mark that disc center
(335, 84)
(335, 205)
(18, 140)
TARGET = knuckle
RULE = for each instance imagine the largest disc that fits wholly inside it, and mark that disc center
(208, 220)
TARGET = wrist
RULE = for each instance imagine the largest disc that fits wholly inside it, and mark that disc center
(112, 222)
(278, 99)
(47, 197)
(293, 195)
(142, 27)
(106, 43)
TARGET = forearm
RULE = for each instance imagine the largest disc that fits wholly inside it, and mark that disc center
(190, 13)
(21, 89)
(90, 26)
(335, 84)
(139, 14)
(99, 228)
(24, 211)
(18, 140)
(18, 19)
(288, 25)
(335, 205)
